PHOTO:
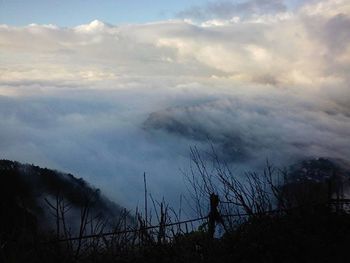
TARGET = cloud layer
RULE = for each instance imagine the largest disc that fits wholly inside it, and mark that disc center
(109, 102)
(230, 9)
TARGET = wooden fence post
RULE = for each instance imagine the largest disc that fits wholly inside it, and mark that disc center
(213, 214)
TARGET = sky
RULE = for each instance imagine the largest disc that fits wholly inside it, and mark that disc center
(75, 12)
(110, 90)
(71, 13)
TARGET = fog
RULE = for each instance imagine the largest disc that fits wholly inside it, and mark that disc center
(108, 102)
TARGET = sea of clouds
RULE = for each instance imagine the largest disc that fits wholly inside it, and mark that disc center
(107, 103)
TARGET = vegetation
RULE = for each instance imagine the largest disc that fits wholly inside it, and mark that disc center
(295, 215)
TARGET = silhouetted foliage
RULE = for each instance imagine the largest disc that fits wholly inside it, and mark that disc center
(276, 216)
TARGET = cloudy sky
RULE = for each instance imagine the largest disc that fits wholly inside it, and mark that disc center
(110, 89)
(76, 12)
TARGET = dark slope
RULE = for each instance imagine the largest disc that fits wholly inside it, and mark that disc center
(25, 190)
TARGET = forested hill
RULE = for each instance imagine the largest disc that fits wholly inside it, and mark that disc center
(28, 195)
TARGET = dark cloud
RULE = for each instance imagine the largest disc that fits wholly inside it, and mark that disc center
(229, 9)
(337, 33)
(185, 122)
(244, 129)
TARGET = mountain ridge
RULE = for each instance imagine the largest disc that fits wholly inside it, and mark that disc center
(31, 191)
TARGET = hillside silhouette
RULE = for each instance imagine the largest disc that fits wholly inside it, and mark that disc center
(28, 194)
(299, 214)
